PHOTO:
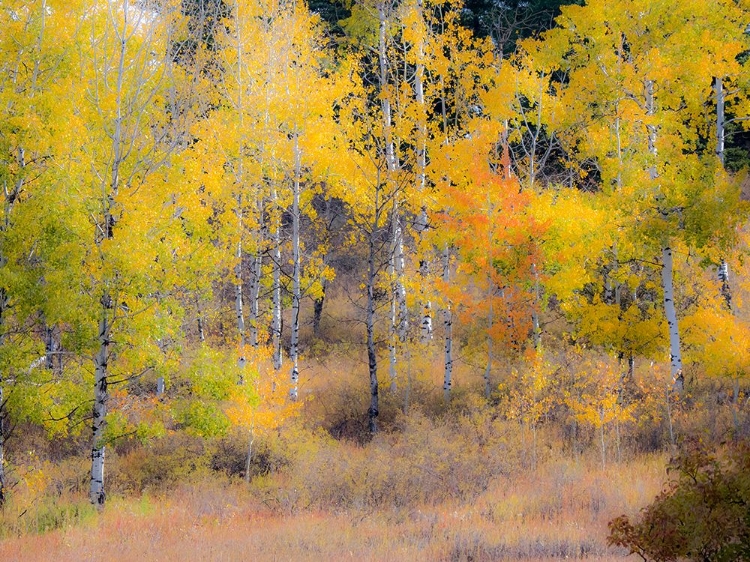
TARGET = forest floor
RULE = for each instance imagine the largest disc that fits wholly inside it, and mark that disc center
(558, 510)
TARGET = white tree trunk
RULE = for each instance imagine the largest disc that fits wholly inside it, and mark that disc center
(2, 446)
(297, 290)
(257, 272)
(392, 336)
(3, 308)
(538, 305)
(448, 329)
(276, 313)
(720, 134)
(242, 360)
(667, 277)
(720, 119)
(201, 328)
(101, 396)
(399, 314)
(372, 358)
(669, 309)
(421, 152)
(109, 193)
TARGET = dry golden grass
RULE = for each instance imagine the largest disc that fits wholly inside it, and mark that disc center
(558, 511)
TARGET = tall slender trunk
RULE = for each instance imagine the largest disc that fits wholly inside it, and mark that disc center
(101, 396)
(2, 444)
(276, 314)
(201, 327)
(297, 290)
(720, 135)
(723, 273)
(242, 360)
(3, 308)
(537, 331)
(726, 290)
(720, 119)
(667, 275)
(256, 273)
(372, 358)
(101, 359)
(421, 179)
(399, 314)
(425, 325)
(448, 328)
(392, 335)
(669, 309)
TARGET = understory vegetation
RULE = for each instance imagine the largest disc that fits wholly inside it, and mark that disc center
(472, 480)
(374, 279)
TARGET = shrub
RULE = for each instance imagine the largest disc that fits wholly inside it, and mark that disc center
(703, 513)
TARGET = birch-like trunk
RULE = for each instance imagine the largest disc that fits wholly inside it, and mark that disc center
(101, 396)
(3, 308)
(256, 273)
(242, 360)
(448, 328)
(201, 327)
(671, 313)
(101, 359)
(723, 273)
(421, 153)
(297, 289)
(726, 290)
(667, 272)
(537, 331)
(399, 314)
(372, 358)
(720, 119)
(276, 290)
(2, 444)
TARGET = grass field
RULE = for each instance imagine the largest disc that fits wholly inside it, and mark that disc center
(558, 511)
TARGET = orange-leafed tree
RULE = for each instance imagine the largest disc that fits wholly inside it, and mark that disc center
(496, 238)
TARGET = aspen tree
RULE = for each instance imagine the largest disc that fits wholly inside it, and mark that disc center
(37, 126)
(639, 119)
(125, 63)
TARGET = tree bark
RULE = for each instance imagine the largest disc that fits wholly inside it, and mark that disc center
(421, 153)
(101, 396)
(720, 119)
(276, 314)
(372, 358)
(242, 360)
(669, 309)
(296, 290)
(3, 308)
(667, 277)
(448, 328)
(256, 273)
